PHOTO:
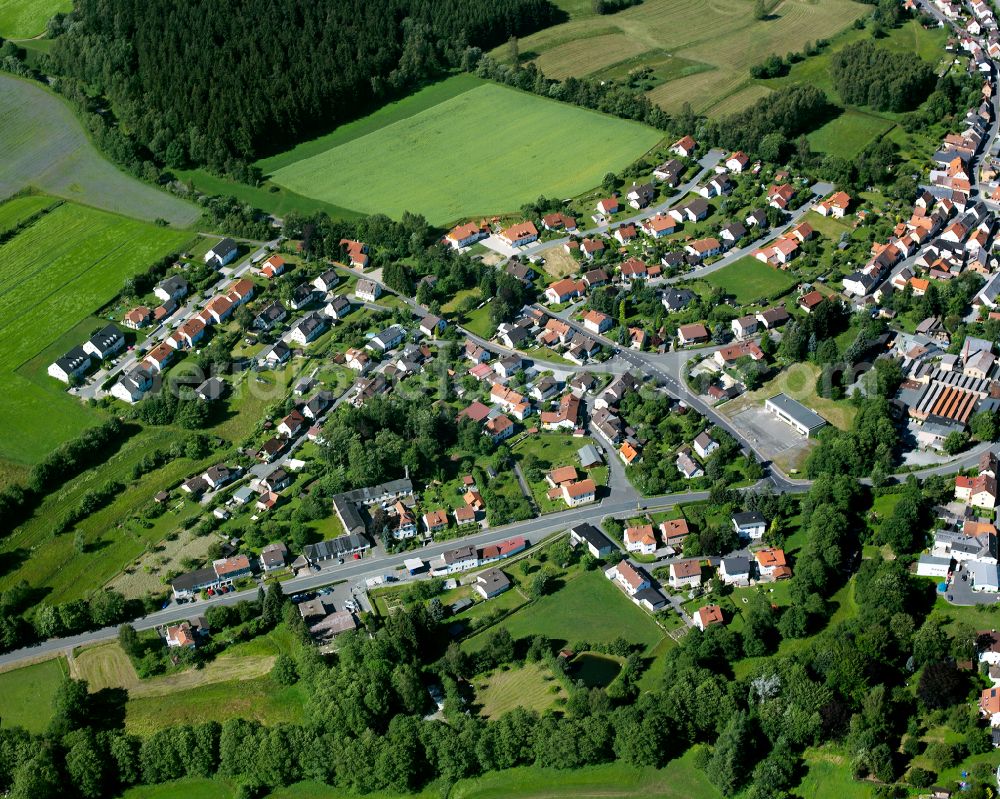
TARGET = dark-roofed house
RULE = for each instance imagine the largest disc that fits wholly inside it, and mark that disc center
(211, 390)
(105, 343)
(172, 288)
(273, 556)
(73, 364)
(343, 546)
(749, 524)
(492, 582)
(598, 544)
(221, 254)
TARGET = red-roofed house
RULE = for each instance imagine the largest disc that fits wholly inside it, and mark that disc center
(707, 616)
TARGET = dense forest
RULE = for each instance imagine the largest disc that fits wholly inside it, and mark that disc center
(865, 74)
(220, 82)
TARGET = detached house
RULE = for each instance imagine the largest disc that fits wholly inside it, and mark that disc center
(273, 267)
(640, 195)
(520, 234)
(684, 147)
(607, 206)
(707, 616)
(581, 492)
(685, 574)
(692, 334)
(835, 205)
(640, 539)
(221, 254)
(659, 225)
(172, 288)
(750, 525)
(627, 578)
(565, 290)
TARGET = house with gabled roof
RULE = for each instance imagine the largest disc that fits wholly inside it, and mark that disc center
(628, 578)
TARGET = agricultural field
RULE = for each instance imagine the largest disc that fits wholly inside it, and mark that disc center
(748, 280)
(43, 144)
(57, 271)
(26, 694)
(22, 19)
(488, 130)
(699, 53)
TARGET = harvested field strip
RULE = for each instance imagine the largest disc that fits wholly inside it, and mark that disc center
(585, 56)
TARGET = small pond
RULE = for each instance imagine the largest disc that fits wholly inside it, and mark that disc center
(596, 671)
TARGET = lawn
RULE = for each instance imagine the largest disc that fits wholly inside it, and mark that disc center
(700, 53)
(22, 19)
(57, 271)
(679, 779)
(43, 144)
(587, 607)
(26, 694)
(531, 686)
(489, 130)
(748, 280)
(828, 776)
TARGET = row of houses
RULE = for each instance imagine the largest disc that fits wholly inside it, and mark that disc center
(468, 556)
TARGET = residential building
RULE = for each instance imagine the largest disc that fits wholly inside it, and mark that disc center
(749, 524)
(685, 574)
(708, 615)
(640, 539)
(592, 538)
(628, 578)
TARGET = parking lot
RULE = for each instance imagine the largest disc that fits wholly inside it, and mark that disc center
(771, 436)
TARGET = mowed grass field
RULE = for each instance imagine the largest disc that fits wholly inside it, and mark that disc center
(22, 19)
(54, 274)
(716, 43)
(747, 279)
(588, 607)
(487, 149)
(26, 694)
(43, 144)
(532, 686)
